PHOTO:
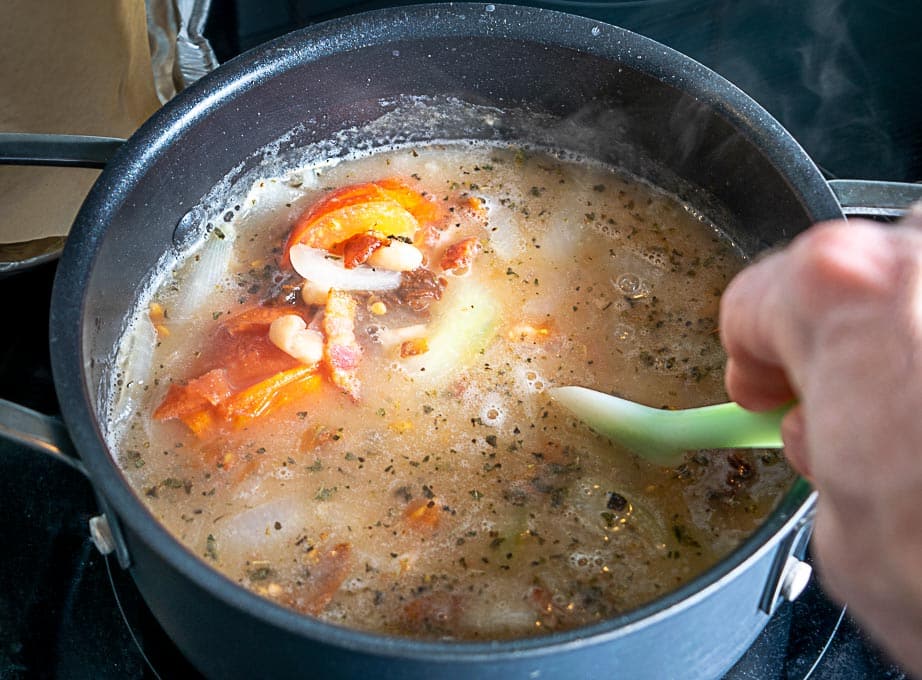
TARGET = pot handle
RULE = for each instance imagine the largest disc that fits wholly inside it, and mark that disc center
(875, 199)
(75, 151)
(48, 435)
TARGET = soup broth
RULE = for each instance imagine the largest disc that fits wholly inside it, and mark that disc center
(388, 458)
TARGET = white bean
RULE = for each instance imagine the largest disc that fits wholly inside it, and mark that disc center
(291, 335)
(397, 257)
(313, 293)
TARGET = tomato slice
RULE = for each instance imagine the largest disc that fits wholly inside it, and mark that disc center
(268, 395)
(388, 206)
(242, 376)
(423, 208)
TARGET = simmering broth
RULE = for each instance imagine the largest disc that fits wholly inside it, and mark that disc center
(388, 459)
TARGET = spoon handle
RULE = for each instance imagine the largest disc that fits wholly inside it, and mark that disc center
(722, 426)
(661, 435)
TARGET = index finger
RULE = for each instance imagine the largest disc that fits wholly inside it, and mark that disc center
(755, 376)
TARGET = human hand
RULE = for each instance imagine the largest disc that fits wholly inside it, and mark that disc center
(834, 320)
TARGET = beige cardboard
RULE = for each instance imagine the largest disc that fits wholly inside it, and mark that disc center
(66, 66)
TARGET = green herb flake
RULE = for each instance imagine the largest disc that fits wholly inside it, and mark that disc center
(260, 571)
(211, 547)
(134, 458)
(683, 537)
(325, 493)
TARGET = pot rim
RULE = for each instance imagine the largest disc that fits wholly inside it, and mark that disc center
(166, 127)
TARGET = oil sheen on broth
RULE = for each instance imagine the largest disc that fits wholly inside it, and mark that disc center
(418, 480)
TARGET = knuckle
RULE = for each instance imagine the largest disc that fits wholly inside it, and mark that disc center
(836, 260)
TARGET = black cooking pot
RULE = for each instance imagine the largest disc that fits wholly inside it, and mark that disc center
(594, 89)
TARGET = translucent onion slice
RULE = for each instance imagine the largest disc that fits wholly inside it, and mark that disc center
(316, 265)
(207, 273)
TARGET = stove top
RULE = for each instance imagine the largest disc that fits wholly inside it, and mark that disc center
(834, 72)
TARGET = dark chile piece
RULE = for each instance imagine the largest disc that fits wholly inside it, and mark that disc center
(616, 501)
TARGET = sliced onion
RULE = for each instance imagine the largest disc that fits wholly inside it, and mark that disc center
(133, 361)
(315, 265)
(207, 272)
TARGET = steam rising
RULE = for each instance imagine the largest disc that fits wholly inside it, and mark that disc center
(802, 62)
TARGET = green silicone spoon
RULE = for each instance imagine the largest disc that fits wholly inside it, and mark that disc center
(662, 436)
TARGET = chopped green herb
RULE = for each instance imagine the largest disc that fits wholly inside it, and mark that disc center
(134, 458)
(260, 572)
(325, 493)
(683, 537)
(211, 547)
